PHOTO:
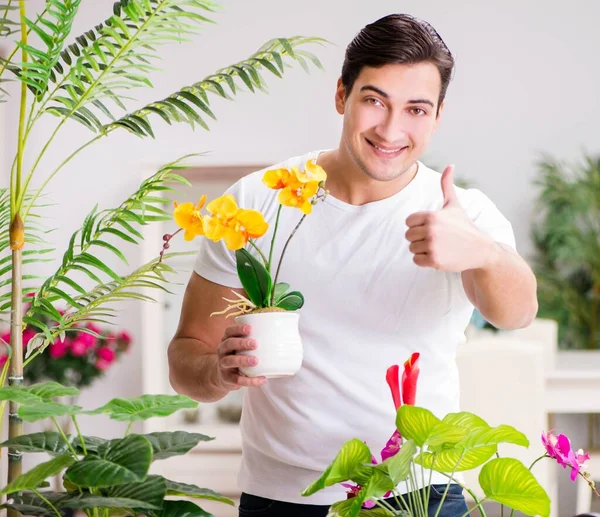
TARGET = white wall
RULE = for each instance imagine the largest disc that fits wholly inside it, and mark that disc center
(526, 83)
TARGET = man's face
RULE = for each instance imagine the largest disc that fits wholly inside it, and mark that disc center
(389, 117)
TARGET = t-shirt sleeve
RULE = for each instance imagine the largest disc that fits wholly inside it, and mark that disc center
(486, 216)
(214, 261)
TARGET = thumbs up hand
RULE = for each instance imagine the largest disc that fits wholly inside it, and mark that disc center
(447, 240)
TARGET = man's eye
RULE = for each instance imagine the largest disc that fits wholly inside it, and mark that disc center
(373, 101)
(418, 111)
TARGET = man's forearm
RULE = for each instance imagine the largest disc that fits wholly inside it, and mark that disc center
(504, 291)
(193, 371)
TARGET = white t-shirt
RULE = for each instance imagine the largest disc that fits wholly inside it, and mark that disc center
(367, 306)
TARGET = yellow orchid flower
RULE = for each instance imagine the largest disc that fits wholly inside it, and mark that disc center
(233, 224)
(277, 178)
(299, 195)
(188, 217)
(311, 172)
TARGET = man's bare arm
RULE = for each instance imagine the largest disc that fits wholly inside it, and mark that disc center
(202, 360)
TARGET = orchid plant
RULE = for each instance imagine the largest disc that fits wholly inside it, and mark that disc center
(458, 442)
(299, 188)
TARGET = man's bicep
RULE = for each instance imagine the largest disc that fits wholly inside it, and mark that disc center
(201, 299)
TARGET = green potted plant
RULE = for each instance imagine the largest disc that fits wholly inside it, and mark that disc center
(269, 306)
(567, 243)
(422, 444)
(101, 477)
(84, 80)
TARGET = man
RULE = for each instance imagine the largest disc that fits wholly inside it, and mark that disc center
(391, 262)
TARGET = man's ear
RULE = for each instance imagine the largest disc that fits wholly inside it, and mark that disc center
(340, 97)
(438, 117)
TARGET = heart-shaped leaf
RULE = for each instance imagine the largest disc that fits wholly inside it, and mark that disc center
(348, 508)
(416, 423)
(91, 444)
(465, 419)
(97, 501)
(185, 490)
(144, 407)
(19, 395)
(182, 509)
(47, 409)
(291, 301)
(117, 462)
(448, 460)
(167, 444)
(254, 277)
(50, 442)
(49, 390)
(512, 484)
(152, 491)
(348, 464)
(502, 434)
(37, 475)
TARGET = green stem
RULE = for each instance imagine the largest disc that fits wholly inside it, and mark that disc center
(400, 501)
(273, 238)
(538, 459)
(424, 493)
(64, 436)
(385, 505)
(283, 253)
(417, 492)
(129, 428)
(74, 418)
(264, 259)
(54, 509)
(47, 180)
(471, 493)
(468, 512)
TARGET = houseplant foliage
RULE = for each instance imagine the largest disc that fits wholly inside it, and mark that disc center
(423, 443)
(84, 79)
(567, 242)
(101, 477)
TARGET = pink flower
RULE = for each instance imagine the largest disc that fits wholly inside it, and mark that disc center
(106, 354)
(5, 337)
(124, 340)
(102, 365)
(94, 328)
(559, 448)
(392, 447)
(87, 340)
(78, 347)
(58, 349)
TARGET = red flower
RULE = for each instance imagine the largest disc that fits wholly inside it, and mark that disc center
(409, 380)
(78, 347)
(102, 365)
(58, 349)
(106, 354)
(87, 340)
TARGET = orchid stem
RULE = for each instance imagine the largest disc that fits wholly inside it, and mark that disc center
(384, 504)
(273, 238)
(283, 253)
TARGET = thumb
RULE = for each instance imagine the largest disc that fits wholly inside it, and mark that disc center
(450, 197)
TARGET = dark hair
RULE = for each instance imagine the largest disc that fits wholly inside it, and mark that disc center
(397, 39)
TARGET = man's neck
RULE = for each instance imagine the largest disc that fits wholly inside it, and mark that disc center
(346, 182)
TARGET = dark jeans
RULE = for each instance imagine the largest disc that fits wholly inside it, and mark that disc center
(254, 506)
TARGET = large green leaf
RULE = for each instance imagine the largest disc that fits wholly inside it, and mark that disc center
(398, 466)
(49, 390)
(80, 502)
(152, 491)
(19, 394)
(254, 277)
(167, 444)
(175, 488)
(33, 413)
(348, 465)
(456, 460)
(512, 484)
(30, 504)
(37, 475)
(181, 509)
(92, 443)
(502, 434)
(348, 508)
(117, 462)
(50, 442)
(465, 419)
(144, 407)
(416, 423)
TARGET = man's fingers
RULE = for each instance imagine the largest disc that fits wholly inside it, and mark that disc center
(418, 233)
(234, 344)
(237, 361)
(419, 219)
(237, 331)
(242, 380)
(419, 247)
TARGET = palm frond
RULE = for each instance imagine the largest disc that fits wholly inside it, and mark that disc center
(36, 251)
(9, 23)
(52, 28)
(105, 229)
(117, 55)
(192, 104)
(94, 306)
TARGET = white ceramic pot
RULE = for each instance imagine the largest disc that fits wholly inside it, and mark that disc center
(278, 344)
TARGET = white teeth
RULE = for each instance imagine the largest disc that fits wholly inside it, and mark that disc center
(386, 150)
